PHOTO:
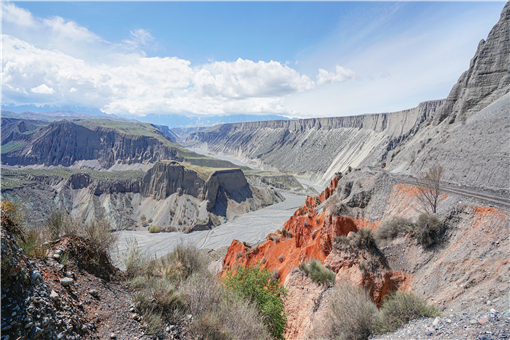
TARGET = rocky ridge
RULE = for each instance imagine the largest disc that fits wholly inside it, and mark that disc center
(169, 194)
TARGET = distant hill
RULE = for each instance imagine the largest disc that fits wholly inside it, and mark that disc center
(99, 144)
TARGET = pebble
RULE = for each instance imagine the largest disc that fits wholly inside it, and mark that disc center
(53, 295)
(66, 281)
(35, 275)
(113, 336)
(94, 293)
(483, 321)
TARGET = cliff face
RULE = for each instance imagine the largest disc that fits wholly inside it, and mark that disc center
(408, 141)
(169, 194)
(488, 76)
(312, 146)
(65, 143)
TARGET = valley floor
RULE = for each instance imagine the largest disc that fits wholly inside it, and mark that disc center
(252, 228)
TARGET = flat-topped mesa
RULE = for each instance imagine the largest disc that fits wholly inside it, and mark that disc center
(167, 178)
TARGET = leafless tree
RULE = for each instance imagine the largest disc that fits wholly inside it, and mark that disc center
(430, 189)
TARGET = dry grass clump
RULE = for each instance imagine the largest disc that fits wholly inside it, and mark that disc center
(351, 315)
(318, 273)
(98, 232)
(365, 239)
(401, 307)
(286, 233)
(429, 230)
(392, 229)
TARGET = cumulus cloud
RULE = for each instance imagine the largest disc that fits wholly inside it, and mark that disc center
(245, 78)
(340, 75)
(58, 62)
(42, 89)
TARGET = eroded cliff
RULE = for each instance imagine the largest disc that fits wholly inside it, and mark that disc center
(472, 144)
(169, 195)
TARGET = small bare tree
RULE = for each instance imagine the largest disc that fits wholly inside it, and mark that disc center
(429, 187)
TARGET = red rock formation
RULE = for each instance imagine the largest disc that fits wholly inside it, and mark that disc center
(308, 235)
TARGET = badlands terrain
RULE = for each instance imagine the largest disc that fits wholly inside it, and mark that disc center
(136, 176)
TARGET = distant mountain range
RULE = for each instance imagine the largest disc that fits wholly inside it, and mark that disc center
(170, 120)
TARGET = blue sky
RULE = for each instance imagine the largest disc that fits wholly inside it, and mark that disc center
(298, 59)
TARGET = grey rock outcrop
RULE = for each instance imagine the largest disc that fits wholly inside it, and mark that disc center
(488, 76)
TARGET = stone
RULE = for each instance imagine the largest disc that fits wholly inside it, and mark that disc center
(35, 275)
(53, 295)
(67, 281)
(94, 293)
(113, 336)
(483, 321)
(436, 321)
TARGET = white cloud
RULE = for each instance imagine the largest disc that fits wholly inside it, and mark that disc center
(139, 37)
(16, 15)
(245, 79)
(72, 66)
(42, 89)
(340, 75)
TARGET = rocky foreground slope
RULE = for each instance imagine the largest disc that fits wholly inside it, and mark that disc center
(170, 195)
(467, 133)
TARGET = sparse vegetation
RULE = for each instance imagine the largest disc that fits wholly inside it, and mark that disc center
(392, 229)
(401, 307)
(429, 230)
(33, 245)
(351, 315)
(286, 233)
(430, 189)
(256, 284)
(100, 237)
(220, 314)
(318, 272)
(365, 239)
(154, 229)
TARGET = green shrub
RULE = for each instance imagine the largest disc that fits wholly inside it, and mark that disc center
(220, 314)
(350, 316)
(392, 229)
(154, 229)
(255, 284)
(318, 273)
(429, 230)
(399, 308)
(365, 239)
